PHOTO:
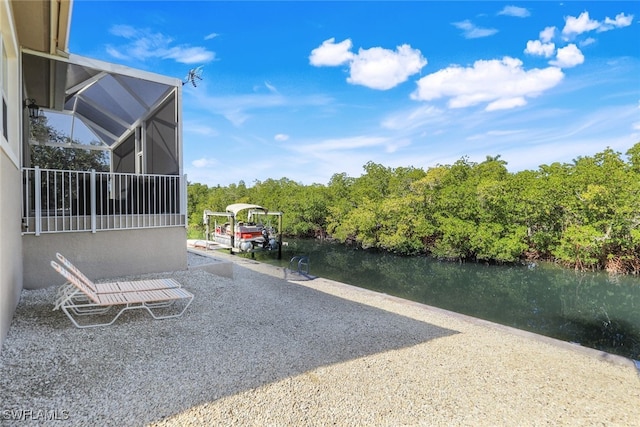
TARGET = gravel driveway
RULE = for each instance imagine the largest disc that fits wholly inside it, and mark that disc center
(261, 350)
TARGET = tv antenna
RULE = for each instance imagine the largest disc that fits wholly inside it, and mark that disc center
(193, 75)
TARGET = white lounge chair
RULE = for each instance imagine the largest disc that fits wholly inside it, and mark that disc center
(108, 287)
(137, 285)
(80, 297)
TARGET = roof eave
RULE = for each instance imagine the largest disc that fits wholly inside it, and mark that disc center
(124, 70)
(60, 27)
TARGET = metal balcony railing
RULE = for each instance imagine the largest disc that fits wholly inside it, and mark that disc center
(55, 201)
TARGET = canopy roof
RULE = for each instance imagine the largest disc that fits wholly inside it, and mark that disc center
(237, 207)
(109, 99)
(234, 209)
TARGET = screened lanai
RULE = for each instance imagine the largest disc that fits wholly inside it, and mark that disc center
(125, 215)
(131, 114)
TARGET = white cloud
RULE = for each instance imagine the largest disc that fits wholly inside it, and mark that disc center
(383, 69)
(331, 54)
(568, 56)
(211, 36)
(239, 108)
(581, 24)
(620, 21)
(506, 103)
(493, 134)
(341, 144)
(501, 84)
(199, 129)
(144, 44)
(470, 31)
(281, 137)
(424, 116)
(518, 12)
(116, 53)
(204, 163)
(189, 55)
(126, 31)
(270, 87)
(345, 154)
(394, 146)
(536, 47)
(547, 34)
(376, 68)
(237, 117)
(587, 41)
(236, 108)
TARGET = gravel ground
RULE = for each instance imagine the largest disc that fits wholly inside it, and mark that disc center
(260, 350)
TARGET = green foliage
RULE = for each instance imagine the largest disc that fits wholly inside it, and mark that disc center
(454, 241)
(197, 201)
(404, 224)
(63, 158)
(585, 214)
(634, 158)
(68, 158)
(580, 246)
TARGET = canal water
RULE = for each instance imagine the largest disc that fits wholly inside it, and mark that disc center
(596, 310)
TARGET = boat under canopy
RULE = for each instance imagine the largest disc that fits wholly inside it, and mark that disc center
(238, 235)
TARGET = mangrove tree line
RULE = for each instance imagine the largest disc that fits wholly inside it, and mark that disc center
(584, 214)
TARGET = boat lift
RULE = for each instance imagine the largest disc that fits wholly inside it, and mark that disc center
(244, 236)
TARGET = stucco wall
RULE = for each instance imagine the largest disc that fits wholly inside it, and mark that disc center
(10, 242)
(104, 254)
(10, 177)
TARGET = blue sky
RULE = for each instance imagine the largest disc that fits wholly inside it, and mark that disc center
(304, 90)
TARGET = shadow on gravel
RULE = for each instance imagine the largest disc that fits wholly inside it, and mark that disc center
(237, 335)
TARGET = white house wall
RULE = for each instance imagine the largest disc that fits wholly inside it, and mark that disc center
(39, 29)
(10, 242)
(105, 254)
(11, 273)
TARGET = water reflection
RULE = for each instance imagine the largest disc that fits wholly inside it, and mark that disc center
(593, 309)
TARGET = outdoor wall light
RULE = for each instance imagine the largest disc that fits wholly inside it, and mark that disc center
(34, 109)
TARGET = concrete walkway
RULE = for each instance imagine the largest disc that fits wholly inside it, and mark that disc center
(259, 350)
